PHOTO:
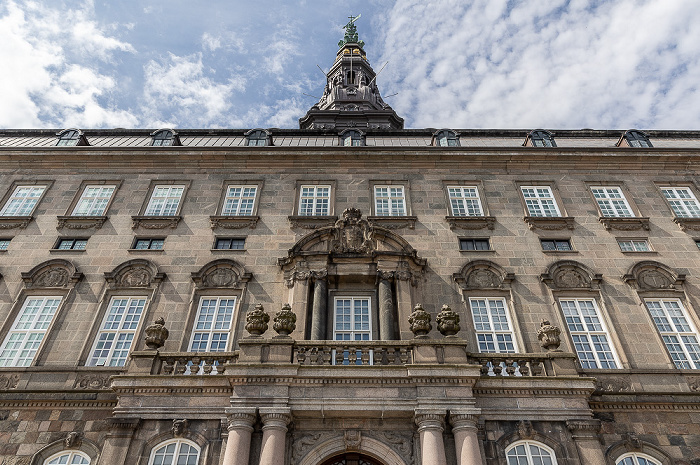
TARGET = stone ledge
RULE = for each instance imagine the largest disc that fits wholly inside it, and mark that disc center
(311, 222)
(234, 222)
(155, 222)
(634, 223)
(471, 222)
(550, 223)
(692, 224)
(15, 222)
(393, 222)
(80, 222)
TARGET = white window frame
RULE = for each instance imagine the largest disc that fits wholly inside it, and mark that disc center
(165, 203)
(94, 205)
(540, 201)
(71, 460)
(352, 330)
(465, 201)
(589, 334)
(314, 200)
(239, 200)
(634, 459)
(214, 325)
(175, 454)
(23, 200)
(123, 329)
(513, 453)
(22, 342)
(635, 245)
(612, 202)
(683, 202)
(393, 203)
(677, 330)
(493, 325)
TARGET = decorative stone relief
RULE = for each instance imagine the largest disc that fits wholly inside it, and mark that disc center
(693, 384)
(52, 274)
(352, 233)
(400, 442)
(92, 382)
(632, 442)
(285, 321)
(652, 276)
(73, 440)
(233, 222)
(569, 274)
(471, 223)
(223, 273)
(80, 222)
(134, 274)
(15, 222)
(483, 274)
(155, 222)
(548, 334)
(419, 321)
(616, 384)
(179, 427)
(447, 321)
(156, 334)
(525, 429)
(304, 442)
(352, 438)
(256, 321)
(9, 381)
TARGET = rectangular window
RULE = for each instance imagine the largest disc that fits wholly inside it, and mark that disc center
(227, 243)
(93, 201)
(474, 244)
(352, 319)
(314, 200)
(4, 244)
(28, 330)
(682, 201)
(164, 200)
(148, 244)
(464, 201)
(611, 202)
(22, 201)
(556, 245)
(71, 244)
(117, 332)
(389, 201)
(634, 245)
(588, 333)
(239, 200)
(212, 325)
(494, 332)
(540, 201)
(677, 331)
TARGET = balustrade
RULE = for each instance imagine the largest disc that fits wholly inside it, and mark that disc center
(352, 353)
(196, 363)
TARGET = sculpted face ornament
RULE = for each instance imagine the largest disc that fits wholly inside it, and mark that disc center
(352, 233)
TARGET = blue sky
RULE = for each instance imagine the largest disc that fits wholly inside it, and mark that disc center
(461, 64)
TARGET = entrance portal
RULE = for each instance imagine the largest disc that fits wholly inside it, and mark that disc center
(351, 459)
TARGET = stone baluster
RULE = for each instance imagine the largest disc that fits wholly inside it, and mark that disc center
(319, 310)
(386, 306)
(275, 421)
(240, 430)
(430, 428)
(585, 435)
(466, 439)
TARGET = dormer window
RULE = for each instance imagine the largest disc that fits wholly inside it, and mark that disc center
(70, 138)
(634, 138)
(164, 138)
(258, 138)
(540, 138)
(446, 138)
(352, 138)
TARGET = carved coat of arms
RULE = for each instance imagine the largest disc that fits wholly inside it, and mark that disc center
(352, 233)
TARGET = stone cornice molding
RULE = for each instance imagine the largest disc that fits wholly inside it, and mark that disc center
(584, 429)
(430, 419)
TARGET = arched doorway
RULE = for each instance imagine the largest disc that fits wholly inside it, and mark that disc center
(351, 459)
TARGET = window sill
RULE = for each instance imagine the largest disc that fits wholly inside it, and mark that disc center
(67, 250)
(393, 222)
(550, 223)
(228, 250)
(685, 224)
(80, 222)
(234, 222)
(145, 250)
(477, 251)
(155, 222)
(559, 252)
(311, 222)
(641, 252)
(634, 223)
(15, 222)
(471, 222)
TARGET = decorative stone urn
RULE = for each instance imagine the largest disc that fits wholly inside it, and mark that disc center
(285, 321)
(256, 321)
(447, 321)
(420, 321)
(156, 334)
(548, 335)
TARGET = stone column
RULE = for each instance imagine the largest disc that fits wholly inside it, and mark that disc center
(466, 440)
(430, 427)
(386, 306)
(240, 429)
(275, 421)
(118, 440)
(585, 435)
(319, 310)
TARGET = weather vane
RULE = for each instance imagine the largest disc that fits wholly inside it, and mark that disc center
(351, 33)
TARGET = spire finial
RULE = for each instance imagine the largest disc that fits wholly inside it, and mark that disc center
(351, 32)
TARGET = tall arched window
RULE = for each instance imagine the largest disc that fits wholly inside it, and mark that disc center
(68, 458)
(530, 453)
(636, 459)
(175, 452)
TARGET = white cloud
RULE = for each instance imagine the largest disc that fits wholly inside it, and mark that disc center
(210, 42)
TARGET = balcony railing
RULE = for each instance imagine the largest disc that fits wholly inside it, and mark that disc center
(512, 364)
(196, 363)
(352, 353)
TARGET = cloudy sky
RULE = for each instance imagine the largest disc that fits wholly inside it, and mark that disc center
(240, 64)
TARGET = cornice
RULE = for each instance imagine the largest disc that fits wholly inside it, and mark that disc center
(614, 406)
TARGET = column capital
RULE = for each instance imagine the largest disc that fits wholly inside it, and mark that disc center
(463, 420)
(241, 419)
(584, 429)
(275, 418)
(122, 427)
(430, 419)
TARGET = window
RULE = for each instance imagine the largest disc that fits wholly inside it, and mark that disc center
(556, 245)
(697, 243)
(69, 137)
(239, 200)
(464, 201)
(351, 139)
(257, 138)
(352, 320)
(93, 201)
(212, 325)
(494, 332)
(677, 331)
(588, 333)
(163, 138)
(474, 244)
(148, 244)
(446, 138)
(682, 201)
(540, 201)
(4, 244)
(611, 201)
(175, 452)
(634, 245)
(530, 453)
(540, 138)
(164, 200)
(22, 201)
(227, 243)
(68, 458)
(71, 244)
(636, 139)
(636, 459)
(113, 342)
(28, 330)
(314, 200)
(389, 201)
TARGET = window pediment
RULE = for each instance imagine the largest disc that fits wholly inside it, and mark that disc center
(137, 273)
(57, 273)
(571, 275)
(222, 273)
(653, 276)
(483, 274)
